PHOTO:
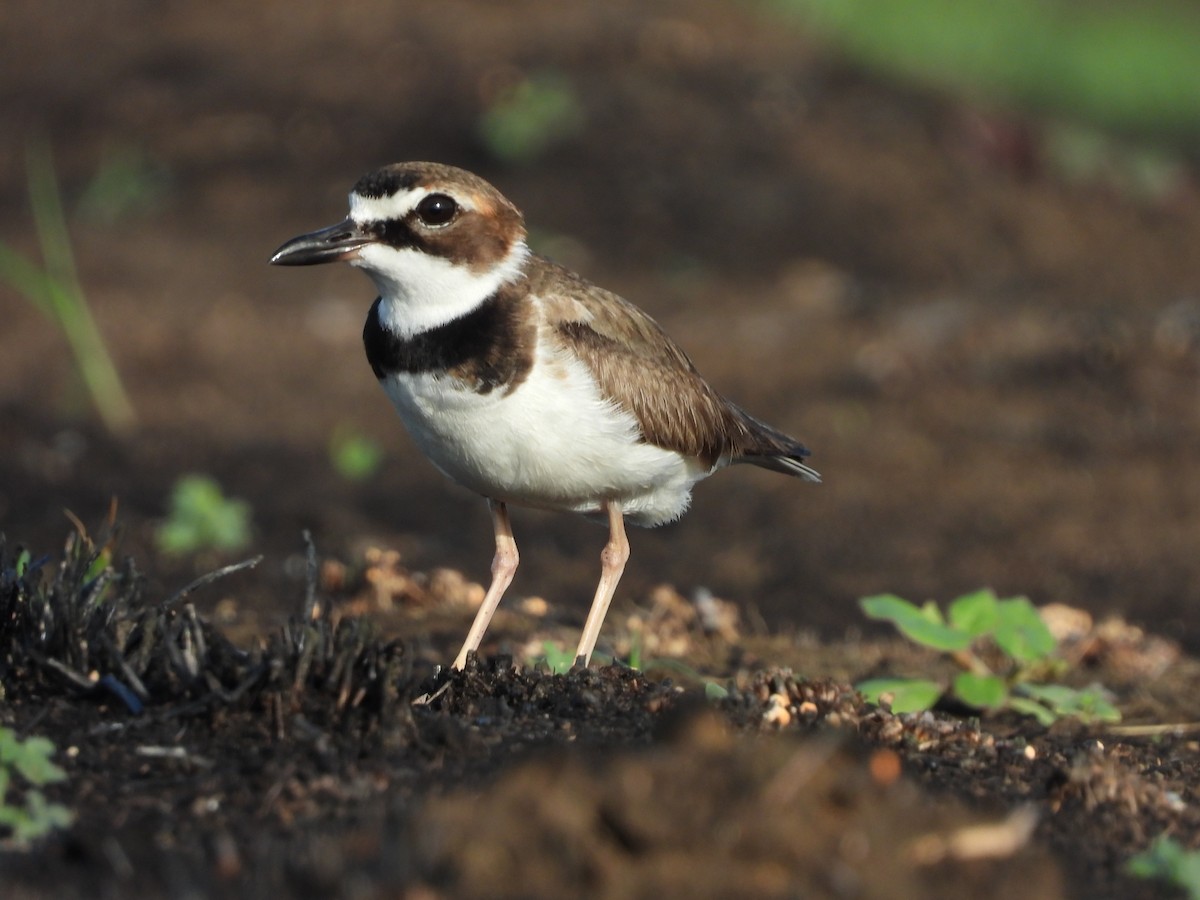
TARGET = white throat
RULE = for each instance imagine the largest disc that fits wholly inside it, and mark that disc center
(419, 292)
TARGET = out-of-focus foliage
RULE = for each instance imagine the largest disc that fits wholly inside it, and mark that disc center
(1132, 66)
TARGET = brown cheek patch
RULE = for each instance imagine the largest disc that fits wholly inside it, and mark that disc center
(479, 239)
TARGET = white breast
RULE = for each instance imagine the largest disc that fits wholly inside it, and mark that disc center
(552, 442)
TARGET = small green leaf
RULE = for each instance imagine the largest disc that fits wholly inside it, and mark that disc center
(558, 661)
(354, 455)
(30, 758)
(1021, 633)
(1159, 860)
(908, 694)
(532, 116)
(1027, 707)
(33, 762)
(1094, 706)
(203, 518)
(1088, 705)
(714, 691)
(889, 607)
(921, 624)
(975, 613)
(1053, 695)
(1167, 860)
(38, 818)
(981, 691)
(11, 816)
(932, 613)
(10, 745)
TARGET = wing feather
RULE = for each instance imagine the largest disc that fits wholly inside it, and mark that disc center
(638, 367)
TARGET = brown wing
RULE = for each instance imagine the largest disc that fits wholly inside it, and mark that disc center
(641, 369)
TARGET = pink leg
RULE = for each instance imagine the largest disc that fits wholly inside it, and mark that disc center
(504, 566)
(612, 564)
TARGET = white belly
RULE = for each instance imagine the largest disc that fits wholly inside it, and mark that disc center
(553, 442)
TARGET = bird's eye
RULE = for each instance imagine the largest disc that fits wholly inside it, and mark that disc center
(436, 210)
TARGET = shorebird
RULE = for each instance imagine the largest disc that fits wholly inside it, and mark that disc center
(524, 382)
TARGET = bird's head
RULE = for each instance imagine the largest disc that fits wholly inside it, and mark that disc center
(435, 240)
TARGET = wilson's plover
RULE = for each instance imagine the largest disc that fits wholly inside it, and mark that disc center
(524, 382)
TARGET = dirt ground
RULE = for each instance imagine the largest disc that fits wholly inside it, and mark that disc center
(995, 362)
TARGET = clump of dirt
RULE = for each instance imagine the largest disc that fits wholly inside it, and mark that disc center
(708, 813)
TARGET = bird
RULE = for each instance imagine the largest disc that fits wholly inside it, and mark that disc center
(524, 382)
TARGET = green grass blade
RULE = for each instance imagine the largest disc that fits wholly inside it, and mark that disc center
(27, 279)
(58, 293)
(96, 367)
(48, 217)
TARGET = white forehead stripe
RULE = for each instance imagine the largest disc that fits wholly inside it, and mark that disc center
(397, 206)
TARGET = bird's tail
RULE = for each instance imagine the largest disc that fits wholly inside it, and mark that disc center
(772, 449)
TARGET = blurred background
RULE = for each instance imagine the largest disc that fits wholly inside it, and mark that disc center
(953, 245)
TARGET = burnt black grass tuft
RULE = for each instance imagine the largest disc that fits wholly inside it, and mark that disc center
(87, 628)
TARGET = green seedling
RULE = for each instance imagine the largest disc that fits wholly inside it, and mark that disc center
(530, 117)
(558, 660)
(354, 456)
(713, 690)
(635, 661)
(29, 761)
(1089, 155)
(1167, 860)
(974, 623)
(54, 289)
(202, 518)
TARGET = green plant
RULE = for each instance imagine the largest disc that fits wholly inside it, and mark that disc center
(636, 639)
(202, 518)
(974, 624)
(30, 760)
(715, 691)
(1167, 860)
(558, 660)
(354, 456)
(54, 289)
(530, 116)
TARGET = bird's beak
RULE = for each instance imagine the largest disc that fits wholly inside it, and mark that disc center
(337, 242)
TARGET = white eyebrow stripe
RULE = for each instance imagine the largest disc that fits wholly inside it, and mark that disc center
(396, 206)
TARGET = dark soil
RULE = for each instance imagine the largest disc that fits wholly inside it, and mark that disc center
(995, 365)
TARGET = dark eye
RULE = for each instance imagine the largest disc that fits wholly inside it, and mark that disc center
(436, 209)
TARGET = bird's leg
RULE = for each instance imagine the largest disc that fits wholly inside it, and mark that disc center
(504, 566)
(612, 564)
